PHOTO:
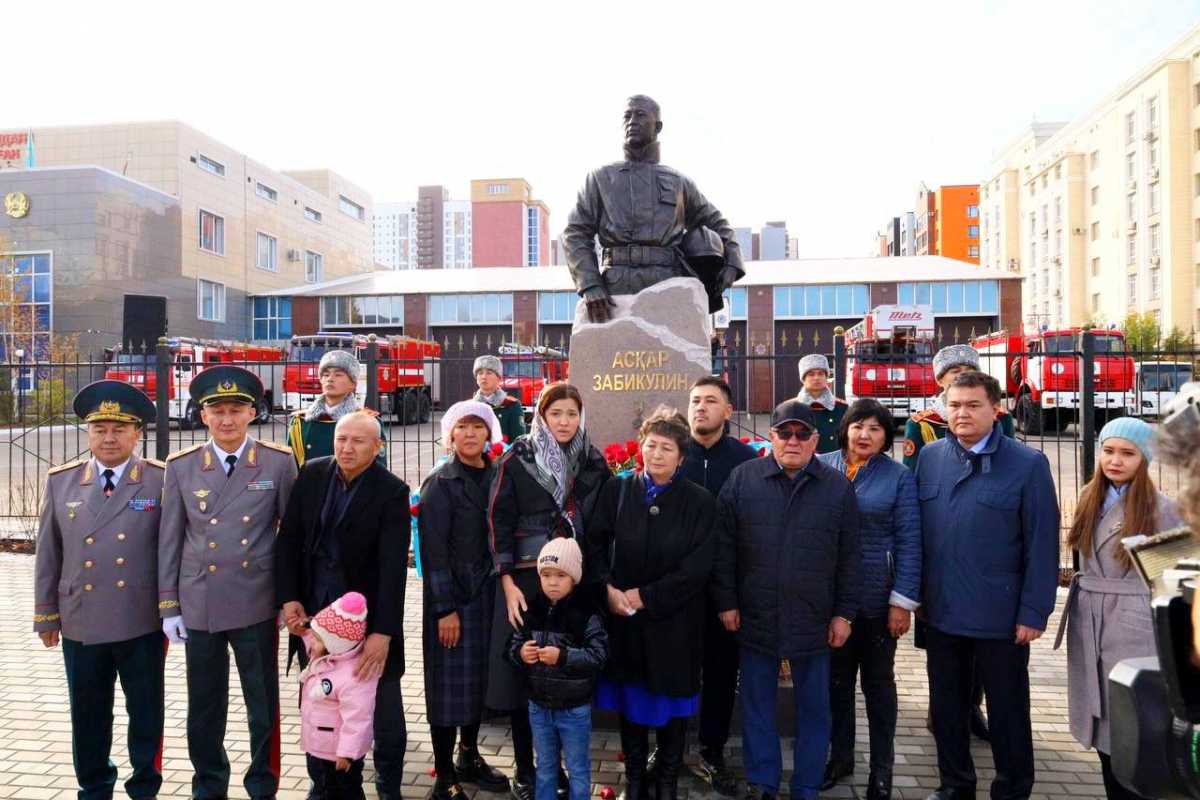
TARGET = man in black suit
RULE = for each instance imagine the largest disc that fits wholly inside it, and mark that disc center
(347, 528)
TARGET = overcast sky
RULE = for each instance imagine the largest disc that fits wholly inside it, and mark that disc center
(826, 115)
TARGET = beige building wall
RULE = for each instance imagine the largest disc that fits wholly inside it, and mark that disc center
(1100, 214)
(305, 214)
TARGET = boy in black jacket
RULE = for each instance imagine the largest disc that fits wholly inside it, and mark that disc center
(563, 646)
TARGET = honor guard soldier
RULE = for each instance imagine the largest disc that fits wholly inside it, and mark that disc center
(931, 424)
(222, 503)
(97, 547)
(816, 394)
(310, 430)
(489, 372)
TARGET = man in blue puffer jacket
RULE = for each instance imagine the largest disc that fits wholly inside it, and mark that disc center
(990, 521)
(890, 537)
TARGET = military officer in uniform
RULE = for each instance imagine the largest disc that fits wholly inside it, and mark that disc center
(222, 502)
(94, 588)
(310, 430)
(489, 371)
(815, 392)
(643, 214)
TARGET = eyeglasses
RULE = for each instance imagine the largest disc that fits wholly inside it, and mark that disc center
(799, 433)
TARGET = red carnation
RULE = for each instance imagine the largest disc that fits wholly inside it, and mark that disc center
(632, 447)
(745, 440)
(497, 450)
(414, 509)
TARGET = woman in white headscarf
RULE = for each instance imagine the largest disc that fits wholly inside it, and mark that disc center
(546, 486)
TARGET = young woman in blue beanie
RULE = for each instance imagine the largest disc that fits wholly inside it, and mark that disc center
(1107, 618)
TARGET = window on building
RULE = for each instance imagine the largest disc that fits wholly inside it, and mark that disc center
(1095, 195)
(1130, 127)
(972, 212)
(314, 267)
(1094, 159)
(210, 301)
(973, 231)
(1155, 279)
(1152, 161)
(451, 309)
(212, 232)
(1131, 168)
(972, 251)
(272, 318)
(1154, 239)
(27, 317)
(953, 297)
(1196, 94)
(1131, 288)
(268, 252)
(1196, 225)
(1196, 138)
(1058, 243)
(351, 208)
(1096, 267)
(265, 192)
(735, 302)
(1152, 199)
(1045, 180)
(312, 214)
(1095, 231)
(1196, 184)
(351, 310)
(1152, 114)
(828, 300)
(532, 236)
(1131, 250)
(1058, 210)
(497, 188)
(208, 165)
(556, 306)
(1096, 301)
(1131, 207)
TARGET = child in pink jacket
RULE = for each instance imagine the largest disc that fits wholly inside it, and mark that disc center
(336, 708)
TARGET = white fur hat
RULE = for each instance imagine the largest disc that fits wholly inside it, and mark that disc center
(471, 408)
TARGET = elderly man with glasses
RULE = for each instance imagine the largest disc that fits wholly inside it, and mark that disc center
(787, 581)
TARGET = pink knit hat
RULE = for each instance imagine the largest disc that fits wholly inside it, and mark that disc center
(342, 625)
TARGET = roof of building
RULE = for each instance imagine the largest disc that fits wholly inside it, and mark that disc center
(558, 279)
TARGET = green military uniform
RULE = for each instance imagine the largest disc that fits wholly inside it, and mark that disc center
(512, 418)
(928, 426)
(309, 439)
(828, 422)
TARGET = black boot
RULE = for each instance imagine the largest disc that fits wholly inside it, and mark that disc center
(446, 788)
(834, 772)
(472, 768)
(879, 787)
(563, 791)
(635, 744)
(522, 787)
(670, 738)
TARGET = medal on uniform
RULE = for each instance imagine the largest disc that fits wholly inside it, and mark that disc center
(202, 493)
(71, 508)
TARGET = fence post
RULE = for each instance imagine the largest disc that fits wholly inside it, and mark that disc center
(839, 362)
(372, 372)
(1087, 407)
(162, 408)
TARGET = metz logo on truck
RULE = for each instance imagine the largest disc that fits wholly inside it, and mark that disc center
(889, 357)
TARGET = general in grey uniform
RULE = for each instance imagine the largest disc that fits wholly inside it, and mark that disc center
(95, 584)
(222, 502)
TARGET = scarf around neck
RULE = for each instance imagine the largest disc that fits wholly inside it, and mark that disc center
(653, 490)
(318, 408)
(494, 399)
(557, 466)
(825, 399)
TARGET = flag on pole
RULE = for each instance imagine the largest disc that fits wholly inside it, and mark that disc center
(29, 150)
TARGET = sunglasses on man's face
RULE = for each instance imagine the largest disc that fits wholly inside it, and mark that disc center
(800, 433)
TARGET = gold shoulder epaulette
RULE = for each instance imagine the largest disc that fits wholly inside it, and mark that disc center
(282, 448)
(155, 462)
(67, 466)
(185, 451)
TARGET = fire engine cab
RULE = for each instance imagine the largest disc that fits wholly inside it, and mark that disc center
(889, 357)
(191, 356)
(527, 370)
(407, 372)
(1039, 373)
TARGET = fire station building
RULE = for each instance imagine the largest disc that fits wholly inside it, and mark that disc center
(778, 312)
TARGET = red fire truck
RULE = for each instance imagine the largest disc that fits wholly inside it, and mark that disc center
(188, 358)
(1039, 373)
(889, 357)
(407, 372)
(527, 370)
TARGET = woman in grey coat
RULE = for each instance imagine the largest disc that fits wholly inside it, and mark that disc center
(1107, 618)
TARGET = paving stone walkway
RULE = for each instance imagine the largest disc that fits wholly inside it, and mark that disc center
(35, 733)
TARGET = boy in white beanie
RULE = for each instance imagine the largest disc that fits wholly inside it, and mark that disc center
(336, 706)
(564, 647)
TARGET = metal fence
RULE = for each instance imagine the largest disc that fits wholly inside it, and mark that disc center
(38, 429)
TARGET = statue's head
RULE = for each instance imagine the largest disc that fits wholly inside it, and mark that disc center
(643, 121)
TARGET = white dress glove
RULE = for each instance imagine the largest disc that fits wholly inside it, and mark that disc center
(173, 629)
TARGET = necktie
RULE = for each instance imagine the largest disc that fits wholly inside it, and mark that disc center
(231, 461)
(108, 482)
